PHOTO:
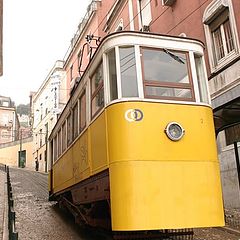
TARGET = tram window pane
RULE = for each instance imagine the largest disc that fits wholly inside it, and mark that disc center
(168, 92)
(59, 142)
(64, 139)
(83, 111)
(165, 66)
(128, 72)
(97, 90)
(75, 120)
(112, 74)
(97, 78)
(202, 82)
(69, 130)
(98, 102)
(55, 148)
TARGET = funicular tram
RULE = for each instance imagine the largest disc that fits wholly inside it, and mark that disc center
(134, 149)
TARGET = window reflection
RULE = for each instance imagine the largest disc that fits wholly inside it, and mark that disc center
(97, 90)
(202, 82)
(166, 74)
(128, 72)
(112, 74)
(165, 66)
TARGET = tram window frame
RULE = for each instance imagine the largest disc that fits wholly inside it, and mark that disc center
(132, 69)
(64, 139)
(97, 91)
(112, 74)
(55, 149)
(201, 76)
(59, 139)
(69, 127)
(75, 120)
(82, 111)
(170, 85)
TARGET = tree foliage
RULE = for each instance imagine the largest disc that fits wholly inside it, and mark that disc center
(23, 109)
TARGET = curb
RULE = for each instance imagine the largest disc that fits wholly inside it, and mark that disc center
(5, 219)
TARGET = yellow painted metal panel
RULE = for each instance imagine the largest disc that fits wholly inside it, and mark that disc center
(156, 183)
(146, 139)
(80, 158)
(165, 195)
(98, 144)
(86, 157)
(63, 172)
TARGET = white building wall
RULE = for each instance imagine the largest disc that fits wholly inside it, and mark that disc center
(48, 102)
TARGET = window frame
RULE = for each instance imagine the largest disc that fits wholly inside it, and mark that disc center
(82, 95)
(212, 13)
(97, 90)
(69, 132)
(64, 135)
(156, 83)
(75, 122)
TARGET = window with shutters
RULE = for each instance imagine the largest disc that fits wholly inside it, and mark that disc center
(220, 31)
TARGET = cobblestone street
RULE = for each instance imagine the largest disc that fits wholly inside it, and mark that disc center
(39, 219)
(36, 217)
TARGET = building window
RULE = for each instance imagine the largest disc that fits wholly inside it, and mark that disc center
(145, 15)
(82, 111)
(97, 90)
(71, 73)
(166, 75)
(75, 120)
(222, 37)
(40, 135)
(220, 31)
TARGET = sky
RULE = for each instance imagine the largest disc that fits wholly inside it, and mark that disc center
(36, 33)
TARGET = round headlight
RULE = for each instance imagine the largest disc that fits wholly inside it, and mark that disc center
(174, 131)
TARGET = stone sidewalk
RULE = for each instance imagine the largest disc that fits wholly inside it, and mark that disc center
(3, 205)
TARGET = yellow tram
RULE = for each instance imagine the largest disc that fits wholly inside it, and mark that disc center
(134, 149)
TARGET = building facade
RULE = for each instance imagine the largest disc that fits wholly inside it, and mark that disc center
(215, 22)
(1, 37)
(46, 104)
(11, 152)
(9, 123)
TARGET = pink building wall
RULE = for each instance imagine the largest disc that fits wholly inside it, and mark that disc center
(183, 17)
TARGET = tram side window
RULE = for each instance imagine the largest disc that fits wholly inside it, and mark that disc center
(128, 71)
(201, 78)
(166, 75)
(75, 121)
(97, 90)
(59, 142)
(82, 110)
(55, 149)
(64, 139)
(112, 74)
(69, 129)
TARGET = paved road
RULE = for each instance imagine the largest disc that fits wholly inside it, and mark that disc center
(36, 217)
(39, 219)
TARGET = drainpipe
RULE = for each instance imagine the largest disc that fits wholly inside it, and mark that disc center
(237, 162)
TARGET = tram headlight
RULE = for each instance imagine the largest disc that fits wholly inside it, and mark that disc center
(174, 131)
